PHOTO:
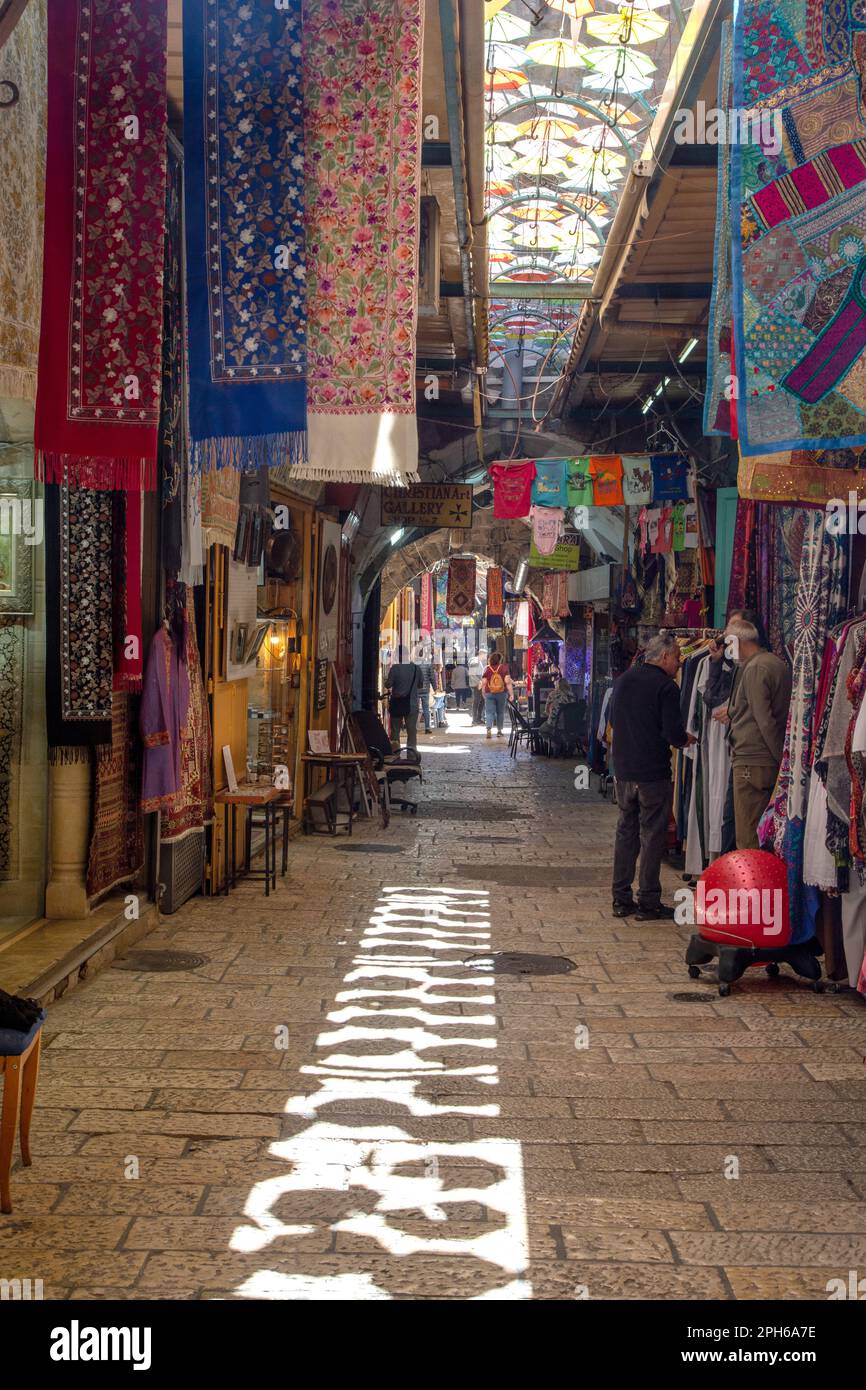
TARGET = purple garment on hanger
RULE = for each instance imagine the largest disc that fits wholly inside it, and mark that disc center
(164, 709)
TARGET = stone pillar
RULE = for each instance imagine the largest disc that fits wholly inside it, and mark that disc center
(66, 893)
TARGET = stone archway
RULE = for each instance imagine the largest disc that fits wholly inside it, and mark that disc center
(503, 543)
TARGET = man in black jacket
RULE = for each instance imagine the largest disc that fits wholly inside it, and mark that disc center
(646, 722)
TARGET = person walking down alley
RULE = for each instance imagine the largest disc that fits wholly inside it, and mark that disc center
(439, 697)
(403, 683)
(497, 688)
(646, 722)
(475, 671)
(424, 692)
(460, 683)
(757, 712)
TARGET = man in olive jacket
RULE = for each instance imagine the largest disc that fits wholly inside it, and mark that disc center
(756, 715)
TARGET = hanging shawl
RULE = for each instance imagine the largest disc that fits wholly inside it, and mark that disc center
(22, 204)
(117, 840)
(78, 646)
(172, 443)
(441, 590)
(97, 404)
(427, 603)
(821, 597)
(244, 199)
(126, 590)
(362, 96)
(192, 808)
(162, 719)
(495, 595)
(460, 602)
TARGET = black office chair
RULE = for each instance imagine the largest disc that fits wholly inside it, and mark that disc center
(391, 768)
(521, 731)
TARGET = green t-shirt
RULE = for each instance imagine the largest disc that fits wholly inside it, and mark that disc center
(579, 483)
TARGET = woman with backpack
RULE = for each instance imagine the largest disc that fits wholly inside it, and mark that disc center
(497, 687)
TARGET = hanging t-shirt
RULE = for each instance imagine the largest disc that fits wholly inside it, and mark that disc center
(579, 483)
(691, 516)
(670, 477)
(547, 525)
(665, 535)
(549, 488)
(679, 518)
(637, 481)
(650, 536)
(512, 489)
(606, 473)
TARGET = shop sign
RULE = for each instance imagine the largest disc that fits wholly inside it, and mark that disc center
(321, 685)
(565, 557)
(427, 504)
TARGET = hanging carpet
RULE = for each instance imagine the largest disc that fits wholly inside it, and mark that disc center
(362, 98)
(97, 403)
(192, 808)
(495, 593)
(460, 601)
(117, 838)
(799, 219)
(172, 442)
(244, 201)
(22, 206)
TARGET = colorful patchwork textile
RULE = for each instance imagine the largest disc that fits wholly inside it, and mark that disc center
(97, 404)
(244, 199)
(362, 98)
(22, 208)
(460, 601)
(117, 839)
(799, 261)
(803, 476)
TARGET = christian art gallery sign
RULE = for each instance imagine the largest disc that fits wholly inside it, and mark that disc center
(427, 504)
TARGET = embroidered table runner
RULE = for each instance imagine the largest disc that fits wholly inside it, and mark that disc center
(97, 404)
(362, 86)
(244, 200)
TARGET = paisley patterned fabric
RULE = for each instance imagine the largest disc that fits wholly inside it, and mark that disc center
(799, 197)
(820, 602)
(244, 199)
(97, 404)
(22, 205)
(362, 98)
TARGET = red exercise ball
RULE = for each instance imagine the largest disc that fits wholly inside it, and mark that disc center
(742, 900)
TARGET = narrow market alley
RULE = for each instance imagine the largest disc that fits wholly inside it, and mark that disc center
(339, 1098)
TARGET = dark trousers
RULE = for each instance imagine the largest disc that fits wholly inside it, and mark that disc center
(644, 815)
(729, 834)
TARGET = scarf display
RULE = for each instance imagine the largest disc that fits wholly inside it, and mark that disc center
(126, 590)
(172, 443)
(79, 633)
(495, 594)
(637, 481)
(162, 719)
(717, 405)
(547, 527)
(550, 487)
(22, 207)
(117, 837)
(798, 207)
(192, 808)
(512, 489)
(441, 591)
(821, 597)
(815, 477)
(12, 665)
(579, 483)
(220, 495)
(245, 260)
(460, 600)
(427, 602)
(362, 101)
(606, 474)
(97, 403)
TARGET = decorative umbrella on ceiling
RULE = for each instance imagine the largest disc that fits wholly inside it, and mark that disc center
(597, 134)
(538, 212)
(505, 80)
(501, 132)
(560, 53)
(550, 127)
(574, 9)
(542, 148)
(628, 67)
(537, 164)
(592, 181)
(508, 27)
(510, 55)
(500, 188)
(640, 26)
(605, 159)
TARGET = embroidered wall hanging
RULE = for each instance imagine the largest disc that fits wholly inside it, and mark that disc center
(12, 655)
(460, 602)
(244, 199)
(117, 839)
(815, 476)
(799, 249)
(22, 207)
(192, 808)
(97, 403)
(362, 87)
(495, 593)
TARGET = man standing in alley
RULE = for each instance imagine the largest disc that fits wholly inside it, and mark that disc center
(403, 683)
(646, 722)
(460, 682)
(425, 687)
(756, 716)
(475, 671)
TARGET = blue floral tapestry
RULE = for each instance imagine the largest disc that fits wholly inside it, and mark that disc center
(244, 204)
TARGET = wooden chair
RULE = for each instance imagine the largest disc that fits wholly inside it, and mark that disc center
(19, 1066)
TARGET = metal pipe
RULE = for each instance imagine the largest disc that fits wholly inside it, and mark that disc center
(453, 87)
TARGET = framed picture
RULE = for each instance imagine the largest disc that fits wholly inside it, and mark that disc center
(254, 644)
(21, 529)
(242, 537)
(319, 742)
(231, 776)
(240, 644)
(257, 538)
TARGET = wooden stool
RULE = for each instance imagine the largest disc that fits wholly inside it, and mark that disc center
(19, 1065)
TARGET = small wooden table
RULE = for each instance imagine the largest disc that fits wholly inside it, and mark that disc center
(348, 764)
(250, 796)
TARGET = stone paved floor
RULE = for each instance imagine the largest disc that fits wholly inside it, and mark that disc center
(336, 1105)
